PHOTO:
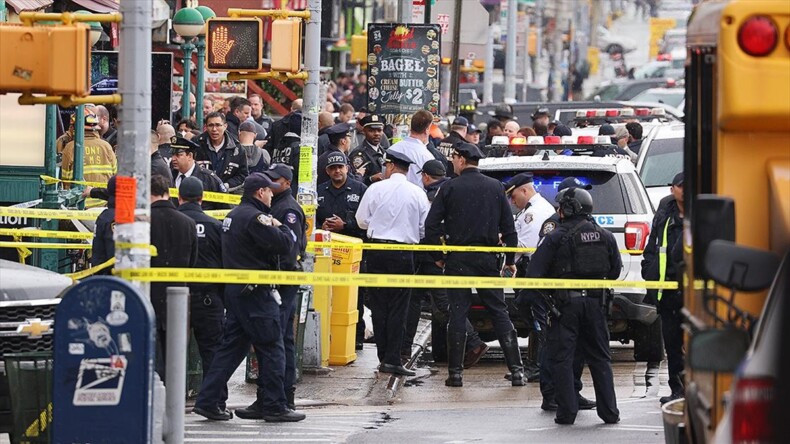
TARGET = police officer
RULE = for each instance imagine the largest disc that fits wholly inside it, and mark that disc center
(339, 142)
(368, 158)
(251, 240)
(457, 135)
(206, 309)
(338, 201)
(455, 218)
(289, 213)
(579, 249)
(540, 121)
(184, 165)
(534, 209)
(663, 252)
(103, 243)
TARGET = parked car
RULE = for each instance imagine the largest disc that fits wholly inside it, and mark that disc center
(660, 158)
(624, 89)
(621, 206)
(675, 97)
(653, 69)
(28, 298)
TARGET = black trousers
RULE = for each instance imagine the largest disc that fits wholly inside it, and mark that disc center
(440, 309)
(207, 319)
(476, 264)
(388, 306)
(582, 321)
(669, 309)
(289, 294)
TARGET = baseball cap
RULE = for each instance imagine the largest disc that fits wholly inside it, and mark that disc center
(517, 181)
(474, 129)
(434, 167)
(248, 126)
(562, 130)
(572, 182)
(336, 158)
(677, 180)
(278, 170)
(460, 121)
(256, 181)
(191, 187)
(606, 130)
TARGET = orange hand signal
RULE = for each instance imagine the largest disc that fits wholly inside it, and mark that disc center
(220, 44)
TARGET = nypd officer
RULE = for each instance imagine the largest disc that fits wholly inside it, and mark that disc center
(534, 209)
(579, 249)
(368, 158)
(339, 142)
(289, 213)
(184, 165)
(455, 218)
(251, 240)
(206, 309)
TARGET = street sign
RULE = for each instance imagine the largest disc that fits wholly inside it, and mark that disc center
(403, 70)
(234, 44)
(104, 361)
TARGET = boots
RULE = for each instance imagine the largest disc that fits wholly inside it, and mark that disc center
(509, 343)
(456, 347)
(290, 398)
(534, 350)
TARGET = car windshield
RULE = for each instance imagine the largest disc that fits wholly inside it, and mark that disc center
(608, 92)
(671, 99)
(607, 193)
(650, 70)
(663, 159)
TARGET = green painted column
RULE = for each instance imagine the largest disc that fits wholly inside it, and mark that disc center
(201, 81)
(187, 83)
(49, 258)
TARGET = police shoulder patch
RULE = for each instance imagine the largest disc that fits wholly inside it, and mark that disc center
(548, 227)
(264, 219)
(290, 218)
(357, 161)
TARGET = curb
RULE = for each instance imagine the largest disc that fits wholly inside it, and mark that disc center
(421, 338)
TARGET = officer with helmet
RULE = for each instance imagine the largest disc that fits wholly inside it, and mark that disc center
(579, 249)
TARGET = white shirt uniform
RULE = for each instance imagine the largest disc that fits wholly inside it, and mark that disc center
(530, 219)
(394, 209)
(418, 153)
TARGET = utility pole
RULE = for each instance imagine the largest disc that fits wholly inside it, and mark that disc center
(595, 18)
(311, 106)
(527, 33)
(134, 84)
(455, 79)
(510, 54)
(488, 74)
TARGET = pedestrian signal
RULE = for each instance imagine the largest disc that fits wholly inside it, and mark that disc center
(286, 45)
(234, 44)
(53, 60)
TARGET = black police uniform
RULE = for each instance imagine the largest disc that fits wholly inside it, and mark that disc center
(579, 249)
(206, 309)
(287, 210)
(445, 148)
(455, 218)
(287, 152)
(342, 202)
(610, 151)
(667, 219)
(175, 237)
(368, 157)
(250, 242)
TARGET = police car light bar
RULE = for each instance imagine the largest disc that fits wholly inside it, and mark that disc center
(518, 140)
(535, 140)
(642, 112)
(568, 140)
(500, 140)
(552, 140)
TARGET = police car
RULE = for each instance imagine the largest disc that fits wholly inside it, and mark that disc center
(621, 205)
(660, 158)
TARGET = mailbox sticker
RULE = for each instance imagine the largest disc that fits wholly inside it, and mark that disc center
(100, 381)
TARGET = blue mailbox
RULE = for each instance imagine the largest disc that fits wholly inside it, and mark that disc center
(104, 364)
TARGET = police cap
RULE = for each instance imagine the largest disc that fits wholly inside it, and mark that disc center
(372, 121)
(572, 182)
(562, 130)
(397, 158)
(517, 181)
(180, 144)
(278, 170)
(190, 188)
(256, 181)
(540, 112)
(434, 168)
(468, 151)
(336, 158)
(503, 111)
(340, 128)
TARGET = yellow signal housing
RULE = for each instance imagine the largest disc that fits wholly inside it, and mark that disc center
(359, 49)
(52, 60)
(286, 45)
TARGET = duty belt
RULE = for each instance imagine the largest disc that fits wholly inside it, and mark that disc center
(584, 293)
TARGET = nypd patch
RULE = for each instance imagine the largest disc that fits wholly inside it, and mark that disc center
(264, 219)
(357, 162)
(548, 227)
(290, 218)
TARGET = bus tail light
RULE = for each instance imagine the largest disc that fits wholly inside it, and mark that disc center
(787, 37)
(751, 413)
(636, 234)
(758, 36)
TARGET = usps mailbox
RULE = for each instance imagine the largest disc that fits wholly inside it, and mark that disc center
(104, 364)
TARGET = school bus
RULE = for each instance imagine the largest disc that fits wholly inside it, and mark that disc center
(737, 172)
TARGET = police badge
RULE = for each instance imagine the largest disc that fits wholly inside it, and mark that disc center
(528, 218)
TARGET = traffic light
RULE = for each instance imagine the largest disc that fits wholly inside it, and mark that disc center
(52, 60)
(359, 49)
(234, 44)
(286, 45)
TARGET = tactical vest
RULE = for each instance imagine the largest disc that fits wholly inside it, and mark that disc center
(582, 254)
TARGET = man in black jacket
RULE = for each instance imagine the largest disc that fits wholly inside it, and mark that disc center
(665, 247)
(457, 135)
(184, 166)
(206, 309)
(240, 111)
(290, 123)
(175, 237)
(103, 243)
(219, 152)
(368, 158)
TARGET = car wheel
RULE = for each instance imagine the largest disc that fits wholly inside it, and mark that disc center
(648, 343)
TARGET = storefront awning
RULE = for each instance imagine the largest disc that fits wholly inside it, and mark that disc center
(99, 6)
(28, 5)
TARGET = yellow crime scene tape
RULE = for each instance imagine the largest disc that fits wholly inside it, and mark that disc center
(91, 271)
(422, 247)
(49, 180)
(48, 245)
(45, 234)
(41, 213)
(216, 276)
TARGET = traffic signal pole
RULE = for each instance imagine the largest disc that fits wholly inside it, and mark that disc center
(134, 157)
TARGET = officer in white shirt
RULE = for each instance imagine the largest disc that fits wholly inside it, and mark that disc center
(393, 211)
(534, 209)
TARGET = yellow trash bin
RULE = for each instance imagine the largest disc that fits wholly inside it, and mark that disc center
(344, 302)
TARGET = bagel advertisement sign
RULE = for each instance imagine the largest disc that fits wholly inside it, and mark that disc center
(404, 62)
